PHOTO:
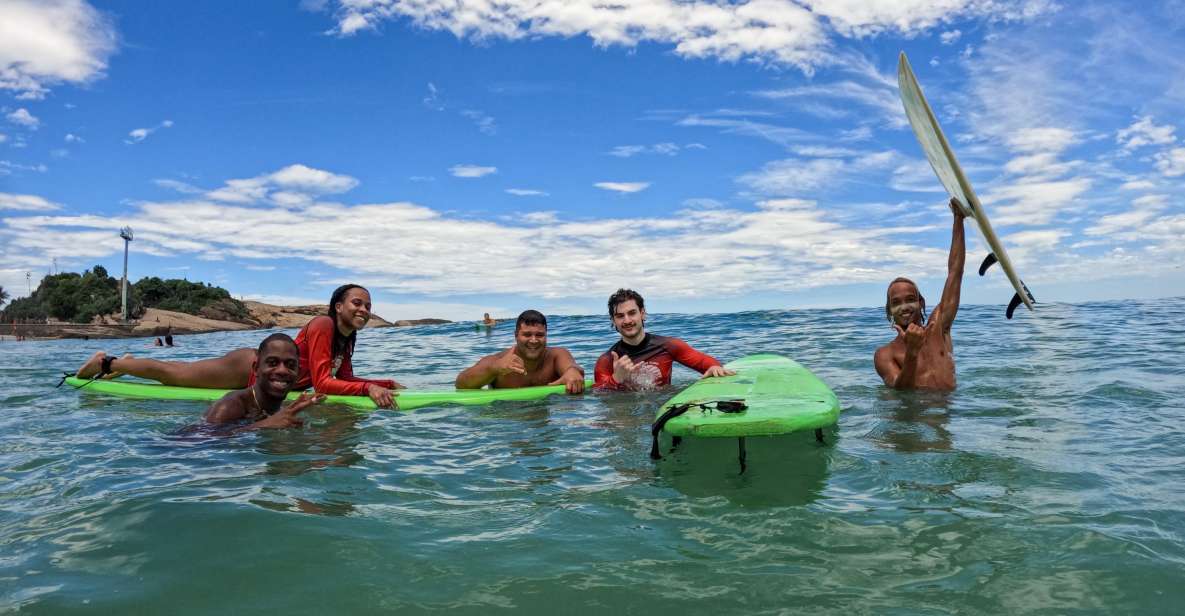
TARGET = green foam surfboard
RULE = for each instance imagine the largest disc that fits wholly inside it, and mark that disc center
(407, 400)
(781, 395)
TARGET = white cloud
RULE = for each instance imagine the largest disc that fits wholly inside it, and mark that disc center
(140, 134)
(1042, 139)
(780, 244)
(860, 18)
(293, 186)
(768, 31)
(178, 186)
(432, 99)
(781, 135)
(22, 117)
(1126, 225)
(46, 42)
(72, 138)
(3, 137)
(623, 187)
(526, 192)
(776, 31)
(421, 178)
(878, 95)
(796, 176)
(666, 148)
(7, 167)
(471, 171)
(950, 36)
(1137, 185)
(1144, 132)
(27, 203)
(261, 268)
(1033, 202)
(540, 218)
(1171, 162)
(485, 124)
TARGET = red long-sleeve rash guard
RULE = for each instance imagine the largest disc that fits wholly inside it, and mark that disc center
(658, 350)
(315, 342)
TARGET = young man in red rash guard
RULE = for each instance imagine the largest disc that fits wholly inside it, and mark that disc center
(640, 360)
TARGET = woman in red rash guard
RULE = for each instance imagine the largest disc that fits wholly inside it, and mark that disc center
(326, 345)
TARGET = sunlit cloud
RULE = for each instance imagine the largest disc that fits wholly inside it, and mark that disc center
(471, 171)
(47, 42)
(140, 134)
(623, 187)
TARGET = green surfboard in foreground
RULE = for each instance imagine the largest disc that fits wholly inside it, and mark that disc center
(407, 400)
(781, 397)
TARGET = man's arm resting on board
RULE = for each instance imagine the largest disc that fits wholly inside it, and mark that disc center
(478, 375)
(571, 374)
(703, 363)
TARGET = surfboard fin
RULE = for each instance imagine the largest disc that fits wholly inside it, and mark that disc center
(1016, 300)
(988, 261)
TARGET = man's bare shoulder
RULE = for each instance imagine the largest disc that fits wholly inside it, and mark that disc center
(231, 407)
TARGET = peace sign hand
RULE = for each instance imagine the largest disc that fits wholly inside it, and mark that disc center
(286, 416)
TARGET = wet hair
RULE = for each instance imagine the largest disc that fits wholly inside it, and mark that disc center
(530, 317)
(342, 345)
(622, 296)
(921, 300)
(277, 337)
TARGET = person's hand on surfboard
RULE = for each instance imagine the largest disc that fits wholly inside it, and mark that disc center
(286, 416)
(383, 398)
(956, 208)
(717, 371)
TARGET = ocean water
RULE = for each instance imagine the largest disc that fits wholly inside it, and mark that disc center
(1051, 481)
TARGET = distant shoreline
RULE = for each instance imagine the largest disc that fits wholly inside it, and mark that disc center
(159, 323)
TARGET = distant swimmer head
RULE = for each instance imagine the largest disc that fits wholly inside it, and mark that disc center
(277, 365)
(904, 303)
(530, 334)
(627, 311)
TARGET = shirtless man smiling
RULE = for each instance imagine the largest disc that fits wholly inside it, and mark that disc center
(922, 355)
(529, 362)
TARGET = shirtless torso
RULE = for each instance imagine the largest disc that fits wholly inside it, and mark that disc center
(922, 355)
(932, 357)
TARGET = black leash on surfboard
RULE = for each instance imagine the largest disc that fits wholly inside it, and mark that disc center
(104, 370)
(724, 406)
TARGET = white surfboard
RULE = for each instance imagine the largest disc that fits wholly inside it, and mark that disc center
(946, 167)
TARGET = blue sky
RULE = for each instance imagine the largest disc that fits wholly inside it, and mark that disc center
(461, 157)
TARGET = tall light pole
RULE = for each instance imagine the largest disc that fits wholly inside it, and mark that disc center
(126, 234)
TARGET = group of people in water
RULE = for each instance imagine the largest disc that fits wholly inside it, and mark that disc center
(921, 355)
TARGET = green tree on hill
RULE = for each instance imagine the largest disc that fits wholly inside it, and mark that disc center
(3, 296)
(79, 298)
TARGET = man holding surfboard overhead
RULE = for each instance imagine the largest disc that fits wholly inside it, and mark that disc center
(922, 355)
(528, 363)
(643, 361)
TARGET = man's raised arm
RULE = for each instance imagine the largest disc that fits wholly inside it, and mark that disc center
(949, 304)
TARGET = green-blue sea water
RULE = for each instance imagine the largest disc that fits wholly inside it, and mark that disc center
(1052, 481)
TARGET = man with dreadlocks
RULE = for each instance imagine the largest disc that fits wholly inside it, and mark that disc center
(922, 355)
